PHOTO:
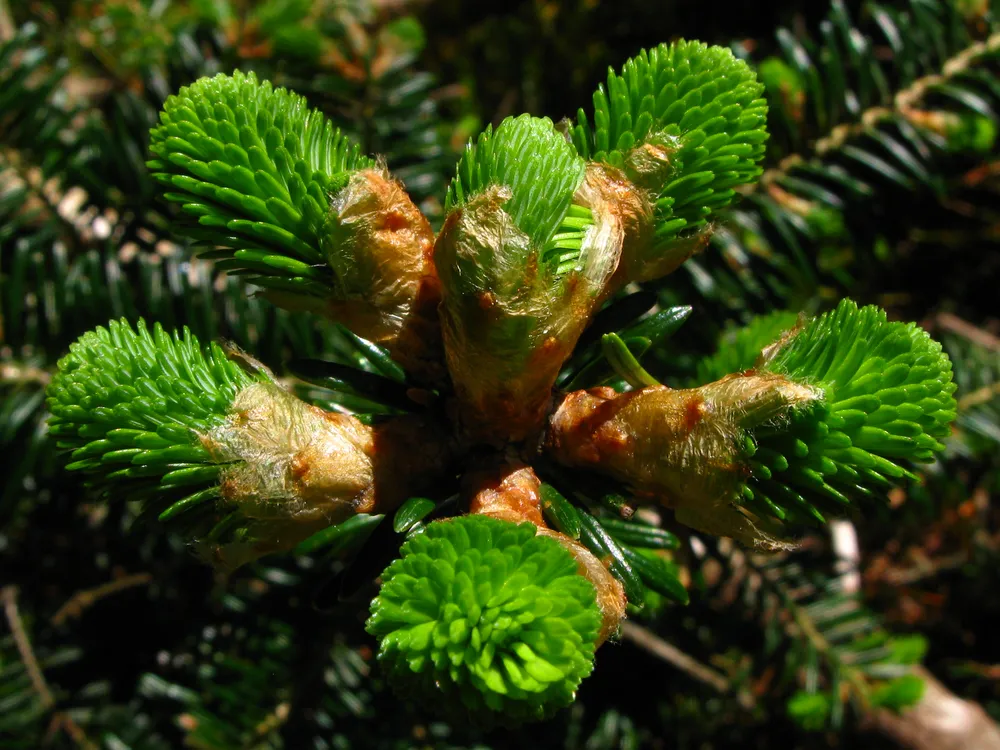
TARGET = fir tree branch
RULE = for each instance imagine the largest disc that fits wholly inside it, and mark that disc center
(905, 102)
(81, 600)
(8, 597)
(479, 616)
(808, 629)
(816, 226)
(836, 648)
(827, 412)
(6, 23)
(963, 328)
(661, 649)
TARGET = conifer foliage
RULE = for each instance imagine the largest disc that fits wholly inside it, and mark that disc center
(482, 418)
(254, 165)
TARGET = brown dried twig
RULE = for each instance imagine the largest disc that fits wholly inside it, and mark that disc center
(649, 641)
(967, 330)
(8, 596)
(82, 599)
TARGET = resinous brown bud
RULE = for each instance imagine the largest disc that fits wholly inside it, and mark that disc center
(682, 449)
(294, 468)
(512, 492)
(508, 323)
(623, 199)
(381, 249)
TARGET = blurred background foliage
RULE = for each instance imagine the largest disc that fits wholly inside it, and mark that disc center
(882, 183)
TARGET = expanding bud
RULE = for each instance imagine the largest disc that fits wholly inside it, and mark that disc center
(244, 466)
(254, 171)
(381, 247)
(522, 268)
(513, 493)
(685, 124)
(682, 448)
(282, 458)
(486, 618)
(831, 408)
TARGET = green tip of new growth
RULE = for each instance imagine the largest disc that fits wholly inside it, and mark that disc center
(685, 120)
(130, 405)
(740, 347)
(886, 400)
(542, 172)
(252, 167)
(485, 616)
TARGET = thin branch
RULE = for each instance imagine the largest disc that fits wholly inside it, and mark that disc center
(979, 396)
(8, 596)
(803, 626)
(82, 599)
(904, 103)
(967, 330)
(64, 722)
(61, 720)
(926, 569)
(940, 720)
(649, 641)
(6, 23)
(807, 628)
(15, 372)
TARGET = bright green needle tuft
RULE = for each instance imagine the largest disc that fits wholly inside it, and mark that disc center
(542, 171)
(132, 404)
(486, 615)
(253, 169)
(886, 400)
(687, 121)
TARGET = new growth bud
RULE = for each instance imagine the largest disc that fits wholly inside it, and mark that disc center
(278, 193)
(522, 268)
(486, 619)
(833, 406)
(684, 124)
(244, 466)
(381, 249)
(684, 449)
(283, 458)
(626, 209)
(513, 493)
